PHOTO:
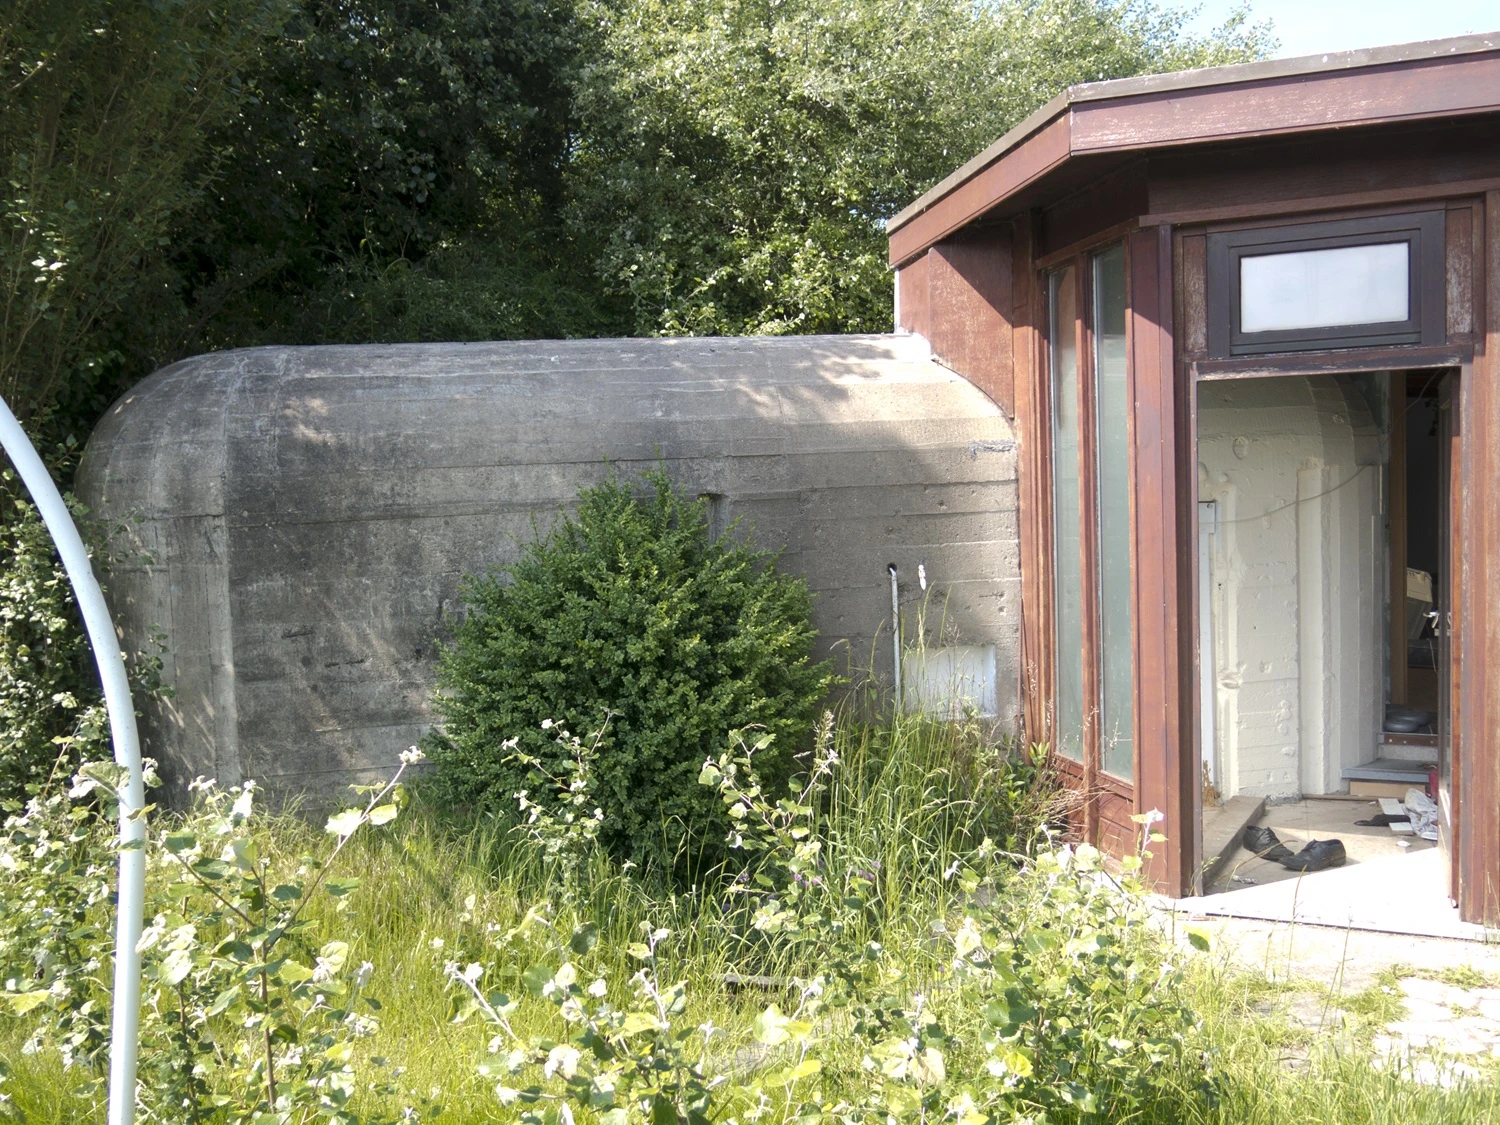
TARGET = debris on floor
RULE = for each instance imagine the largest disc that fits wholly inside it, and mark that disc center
(1316, 855)
(1392, 815)
(1416, 815)
(1422, 810)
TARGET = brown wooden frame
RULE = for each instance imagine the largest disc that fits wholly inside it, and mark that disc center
(1165, 371)
(1395, 132)
(1473, 523)
(1422, 232)
(1166, 781)
(1108, 802)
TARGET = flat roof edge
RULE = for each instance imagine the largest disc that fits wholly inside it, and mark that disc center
(1202, 78)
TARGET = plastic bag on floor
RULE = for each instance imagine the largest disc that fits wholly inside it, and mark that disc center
(1422, 811)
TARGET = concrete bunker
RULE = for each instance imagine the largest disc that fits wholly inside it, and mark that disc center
(302, 517)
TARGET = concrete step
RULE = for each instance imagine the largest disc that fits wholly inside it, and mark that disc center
(1222, 829)
(1390, 769)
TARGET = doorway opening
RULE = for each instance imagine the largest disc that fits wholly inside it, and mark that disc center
(1322, 552)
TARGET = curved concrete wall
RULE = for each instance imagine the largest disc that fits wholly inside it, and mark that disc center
(302, 516)
(1297, 572)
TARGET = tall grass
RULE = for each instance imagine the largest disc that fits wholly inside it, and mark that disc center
(910, 801)
(1276, 1073)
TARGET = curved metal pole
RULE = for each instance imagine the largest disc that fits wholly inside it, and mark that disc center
(125, 1017)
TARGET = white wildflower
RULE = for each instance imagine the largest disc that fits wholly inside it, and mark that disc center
(245, 800)
(562, 1060)
(411, 756)
(361, 1027)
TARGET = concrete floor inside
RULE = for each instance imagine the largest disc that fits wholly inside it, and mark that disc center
(1390, 883)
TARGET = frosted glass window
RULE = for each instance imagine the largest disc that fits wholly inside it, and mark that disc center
(1112, 411)
(1325, 288)
(1067, 564)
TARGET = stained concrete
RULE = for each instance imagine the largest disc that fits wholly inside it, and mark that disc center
(297, 520)
(1441, 1032)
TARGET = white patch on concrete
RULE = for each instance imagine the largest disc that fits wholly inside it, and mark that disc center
(952, 682)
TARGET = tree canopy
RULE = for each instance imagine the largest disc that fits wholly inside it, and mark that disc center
(182, 175)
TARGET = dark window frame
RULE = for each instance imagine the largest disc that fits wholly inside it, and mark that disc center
(1422, 231)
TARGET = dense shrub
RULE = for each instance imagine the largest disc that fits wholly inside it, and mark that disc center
(631, 620)
(51, 709)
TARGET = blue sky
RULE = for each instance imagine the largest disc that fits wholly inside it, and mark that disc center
(1309, 27)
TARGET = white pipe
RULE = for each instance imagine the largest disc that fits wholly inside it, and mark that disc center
(100, 626)
(896, 631)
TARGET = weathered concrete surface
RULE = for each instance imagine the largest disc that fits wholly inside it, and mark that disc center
(1298, 580)
(306, 513)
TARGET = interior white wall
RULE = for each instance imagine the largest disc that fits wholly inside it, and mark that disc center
(1297, 573)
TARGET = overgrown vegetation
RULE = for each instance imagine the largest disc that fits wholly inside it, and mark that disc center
(108, 118)
(194, 174)
(523, 975)
(51, 711)
(634, 610)
(184, 175)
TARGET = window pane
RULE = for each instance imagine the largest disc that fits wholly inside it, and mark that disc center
(1325, 288)
(1067, 592)
(1117, 730)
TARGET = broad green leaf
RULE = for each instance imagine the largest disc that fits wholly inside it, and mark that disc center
(23, 1002)
(333, 955)
(345, 823)
(383, 814)
(637, 1022)
(176, 967)
(771, 1027)
(584, 938)
(537, 978)
(224, 1000)
(901, 1100)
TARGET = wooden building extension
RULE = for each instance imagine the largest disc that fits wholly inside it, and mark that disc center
(1135, 242)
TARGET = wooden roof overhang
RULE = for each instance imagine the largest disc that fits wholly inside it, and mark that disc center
(1095, 129)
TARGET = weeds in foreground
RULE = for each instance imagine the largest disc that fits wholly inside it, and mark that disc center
(880, 991)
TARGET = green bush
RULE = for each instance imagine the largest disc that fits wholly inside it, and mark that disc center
(630, 620)
(51, 710)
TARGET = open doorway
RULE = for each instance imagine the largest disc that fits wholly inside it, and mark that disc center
(1322, 571)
